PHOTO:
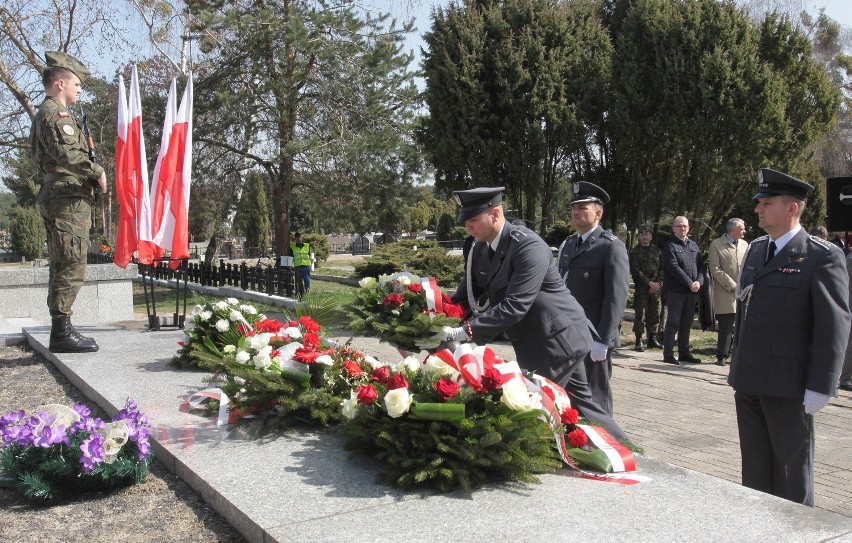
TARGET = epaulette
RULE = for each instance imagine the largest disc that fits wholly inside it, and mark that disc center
(761, 238)
(825, 244)
(609, 235)
(516, 233)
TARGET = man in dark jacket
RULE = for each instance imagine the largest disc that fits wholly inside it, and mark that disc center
(526, 298)
(682, 279)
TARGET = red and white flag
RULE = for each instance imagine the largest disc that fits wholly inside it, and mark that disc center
(131, 178)
(172, 178)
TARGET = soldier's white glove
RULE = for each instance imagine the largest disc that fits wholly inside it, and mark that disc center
(455, 334)
(814, 401)
(599, 351)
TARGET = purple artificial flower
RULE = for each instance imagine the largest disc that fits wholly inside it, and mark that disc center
(93, 452)
(12, 418)
(143, 444)
(82, 410)
(50, 436)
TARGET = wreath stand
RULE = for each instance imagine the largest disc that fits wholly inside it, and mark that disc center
(149, 271)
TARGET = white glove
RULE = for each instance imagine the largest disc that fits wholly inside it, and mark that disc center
(814, 401)
(599, 351)
(455, 334)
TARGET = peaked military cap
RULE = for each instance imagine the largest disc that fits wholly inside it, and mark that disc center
(774, 183)
(645, 229)
(64, 60)
(472, 202)
(589, 192)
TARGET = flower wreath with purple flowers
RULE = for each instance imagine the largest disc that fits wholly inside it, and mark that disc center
(57, 451)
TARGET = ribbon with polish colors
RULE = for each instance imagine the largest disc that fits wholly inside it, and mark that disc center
(433, 296)
(217, 394)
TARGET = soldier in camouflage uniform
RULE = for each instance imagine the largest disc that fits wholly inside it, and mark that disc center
(65, 200)
(646, 268)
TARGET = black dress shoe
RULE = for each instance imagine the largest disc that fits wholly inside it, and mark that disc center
(720, 362)
(845, 386)
(688, 358)
(640, 348)
(654, 344)
(670, 359)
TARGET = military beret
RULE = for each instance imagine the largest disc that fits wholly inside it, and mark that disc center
(57, 59)
(772, 183)
(589, 192)
(645, 229)
(472, 202)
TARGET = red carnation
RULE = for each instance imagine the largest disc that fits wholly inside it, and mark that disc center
(352, 368)
(577, 438)
(268, 325)
(309, 356)
(367, 395)
(397, 381)
(570, 416)
(310, 341)
(309, 324)
(381, 374)
(414, 287)
(446, 389)
(493, 379)
(453, 310)
(394, 300)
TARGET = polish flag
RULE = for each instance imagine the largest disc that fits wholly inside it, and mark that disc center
(131, 178)
(172, 177)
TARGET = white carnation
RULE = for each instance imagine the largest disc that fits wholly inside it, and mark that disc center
(367, 283)
(243, 357)
(221, 305)
(233, 301)
(222, 325)
(229, 349)
(206, 315)
(325, 359)
(293, 332)
(248, 309)
(235, 315)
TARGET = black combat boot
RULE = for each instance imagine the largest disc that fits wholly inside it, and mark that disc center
(653, 342)
(65, 339)
(640, 347)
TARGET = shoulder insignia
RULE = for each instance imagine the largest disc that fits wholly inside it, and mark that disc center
(516, 234)
(64, 114)
(609, 235)
(761, 238)
(823, 243)
(68, 129)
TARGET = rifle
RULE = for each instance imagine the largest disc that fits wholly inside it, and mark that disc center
(93, 156)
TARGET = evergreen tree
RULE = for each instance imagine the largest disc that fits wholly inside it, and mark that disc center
(28, 233)
(255, 214)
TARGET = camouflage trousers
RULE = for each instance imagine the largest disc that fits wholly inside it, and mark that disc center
(68, 221)
(646, 307)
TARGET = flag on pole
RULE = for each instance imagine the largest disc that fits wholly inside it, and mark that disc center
(172, 178)
(131, 178)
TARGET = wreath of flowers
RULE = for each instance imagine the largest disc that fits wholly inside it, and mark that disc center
(215, 325)
(58, 451)
(396, 308)
(455, 421)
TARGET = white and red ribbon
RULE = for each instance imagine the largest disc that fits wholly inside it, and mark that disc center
(433, 296)
(202, 396)
(619, 455)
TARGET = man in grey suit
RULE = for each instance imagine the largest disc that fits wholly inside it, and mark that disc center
(596, 270)
(792, 330)
(526, 298)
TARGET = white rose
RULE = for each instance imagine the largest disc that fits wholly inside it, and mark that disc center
(248, 309)
(222, 325)
(375, 364)
(197, 310)
(350, 406)
(404, 280)
(235, 315)
(515, 395)
(243, 357)
(325, 359)
(205, 315)
(367, 282)
(259, 341)
(437, 366)
(229, 349)
(221, 305)
(293, 332)
(535, 401)
(261, 360)
(233, 301)
(397, 402)
(411, 363)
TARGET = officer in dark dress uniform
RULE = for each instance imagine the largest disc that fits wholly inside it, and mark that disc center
(793, 326)
(596, 270)
(525, 297)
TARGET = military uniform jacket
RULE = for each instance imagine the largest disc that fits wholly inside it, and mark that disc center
(646, 265)
(598, 276)
(724, 260)
(59, 149)
(681, 265)
(793, 326)
(528, 300)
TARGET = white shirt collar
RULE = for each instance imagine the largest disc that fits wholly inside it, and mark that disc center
(496, 241)
(785, 239)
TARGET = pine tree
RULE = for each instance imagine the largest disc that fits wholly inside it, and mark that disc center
(28, 233)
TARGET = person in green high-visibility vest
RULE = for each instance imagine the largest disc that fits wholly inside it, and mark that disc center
(301, 264)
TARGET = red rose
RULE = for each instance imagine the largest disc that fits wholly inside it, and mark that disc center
(493, 379)
(367, 395)
(309, 324)
(397, 381)
(577, 438)
(414, 287)
(310, 341)
(381, 374)
(570, 416)
(394, 300)
(352, 368)
(453, 310)
(446, 389)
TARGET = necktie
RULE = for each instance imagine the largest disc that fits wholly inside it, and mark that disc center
(771, 252)
(490, 251)
(579, 242)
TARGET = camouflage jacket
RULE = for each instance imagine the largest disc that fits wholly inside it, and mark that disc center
(646, 265)
(59, 150)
